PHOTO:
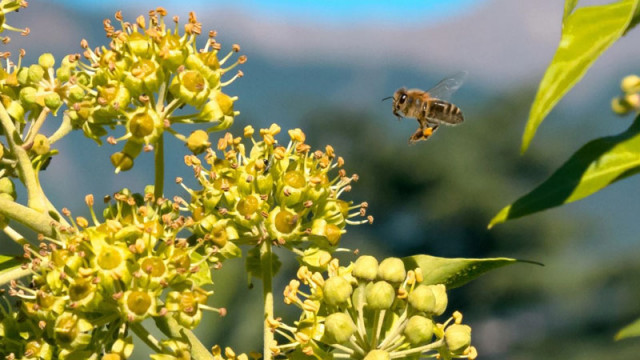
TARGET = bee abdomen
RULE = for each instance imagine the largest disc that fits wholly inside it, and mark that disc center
(443, 111)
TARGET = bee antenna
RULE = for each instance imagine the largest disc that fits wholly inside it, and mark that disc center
(387, 98)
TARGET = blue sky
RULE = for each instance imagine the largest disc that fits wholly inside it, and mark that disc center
(334, 11)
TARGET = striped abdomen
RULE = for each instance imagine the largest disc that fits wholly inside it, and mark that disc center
(439, 111)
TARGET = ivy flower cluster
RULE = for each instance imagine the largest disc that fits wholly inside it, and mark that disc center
(146, 74)
(371, 311)
(92, 285)
(287, 195)
(630, 101)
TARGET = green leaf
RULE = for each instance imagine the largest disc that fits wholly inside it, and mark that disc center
(10, 269)
(586, 33)
(455, 272)
(569, 5)
(631, 330)
(596, 165)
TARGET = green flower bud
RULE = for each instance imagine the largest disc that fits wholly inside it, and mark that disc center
(337, 291)
(458, 338)
(380, 295)
(41, 144)
(76, 94)
(28, 96)
(121, 161)
(377, 355)
(63, 74)
(630, 84)
(440, 293)
(36, 73)
(365, 268)
(23, 75)
(198, 141)
(46, 60)
(419, 330)
(422, 299)
(392, 270)
(53, 101)
(339, 327)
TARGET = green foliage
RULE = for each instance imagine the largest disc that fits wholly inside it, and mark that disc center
(631, 330)
(454, 273)
(586, 33)
(596, 165)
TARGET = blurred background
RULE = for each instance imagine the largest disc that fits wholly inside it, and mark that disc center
(323, 67)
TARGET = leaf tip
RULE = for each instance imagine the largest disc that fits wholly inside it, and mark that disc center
(500, 217)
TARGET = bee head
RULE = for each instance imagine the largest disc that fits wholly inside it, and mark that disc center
(399, 99)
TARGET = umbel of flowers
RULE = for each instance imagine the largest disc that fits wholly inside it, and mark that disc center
(371, 311)
(147, 72)
(94, 284)
(289, 195)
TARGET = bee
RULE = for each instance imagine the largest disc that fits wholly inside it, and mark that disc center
(430, 108)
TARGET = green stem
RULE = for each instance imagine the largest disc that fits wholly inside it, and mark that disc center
(145, 336)
(170, 327)
(34, 220)
(159, 162)
(15, 273)
(15, 236)
(25, 168)
(267, 293)
(64, 129)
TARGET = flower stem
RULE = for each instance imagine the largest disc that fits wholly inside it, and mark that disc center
(25, 169)
(15, 236)
(33, 219)
(267, 293)
(159, 162)
(146, 337)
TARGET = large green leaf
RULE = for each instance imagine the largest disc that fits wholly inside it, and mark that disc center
(454, 272)
(631, 330)
(596, 165)
(586, 33)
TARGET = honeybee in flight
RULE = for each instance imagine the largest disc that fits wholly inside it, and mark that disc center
(431, 108)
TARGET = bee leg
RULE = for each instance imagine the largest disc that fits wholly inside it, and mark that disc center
(423, 133)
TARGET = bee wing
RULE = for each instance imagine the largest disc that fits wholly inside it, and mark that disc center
(445, 88)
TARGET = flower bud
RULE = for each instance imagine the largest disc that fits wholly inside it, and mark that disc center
(53, 101)
(422, 299)
(419, 330)
(63, 73)
(36, 72)
(365, 268)
(76, 94)
(28, 96)
(337, 291)
(41, 144)
(630, 84)
(458, 338)
(198, 141)
(377, 355)
(440, 293)
(121, 161)
(380, 295)
(392, 270)
(46, 60)
(339, 327)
